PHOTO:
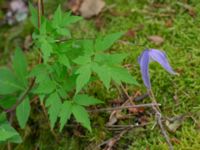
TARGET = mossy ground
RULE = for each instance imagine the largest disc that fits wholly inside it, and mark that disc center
(177, 94)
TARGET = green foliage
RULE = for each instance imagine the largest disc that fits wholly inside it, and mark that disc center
(23, 112)
(81, 116)
(67, 68)
(104, 43)
(34, 15)
(86, 100)
(8, 133)
(65, 113)
(20, 66)
(15, 80)
(8, 82)
(54, 104)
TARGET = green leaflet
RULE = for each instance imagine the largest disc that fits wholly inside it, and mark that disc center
(20, 66)
(84, 74)
(7, 132)
(69, 19)
(54, 104)
(40, 71)
(88, 46)
(82, 60)
(104, 43)
(5, 135)
(120, 74)
(46, 50)
(75, 107)
(110, 59)
(64, 32)
(45, 87)
(8, 82)
(104, 74)
(34, 16)
(57, 17)
(117, 74)
(85, 100)
(61, 19)
(81, 116)
(65, 113)
(7, 101)
(23, 112)
(63, 59)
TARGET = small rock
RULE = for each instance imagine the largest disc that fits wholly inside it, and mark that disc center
(91, 8)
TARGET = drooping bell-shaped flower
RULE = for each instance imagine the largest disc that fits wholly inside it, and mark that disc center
(156, 55)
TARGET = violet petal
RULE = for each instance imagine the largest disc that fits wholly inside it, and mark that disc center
(144, 68)
(161, 58)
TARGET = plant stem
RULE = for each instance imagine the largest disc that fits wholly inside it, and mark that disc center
(22, 97)
(39, 13)
(42, 4)
(158, 116)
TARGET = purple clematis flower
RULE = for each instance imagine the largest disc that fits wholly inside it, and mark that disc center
(156, 55)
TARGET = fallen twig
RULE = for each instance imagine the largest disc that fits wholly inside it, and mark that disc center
(110, 142)
(125, 107)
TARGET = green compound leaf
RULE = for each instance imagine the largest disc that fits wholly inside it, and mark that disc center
(120, 74)
(85, 100)
(117, 74)
(46, 49)
(34, 15)
(40, 71)
(116, 58)
(84, 74)
(69, 19)
(20, 66)
(81, 116)
(9, 134)
(23, 112)
(8, 82)
(104, 74)
(104, 43)
(82, 60)
(110, 59)
(65, 113)
(64, 32)
(57, 17)
(7, 101)
(88, 46)
(54, 105)
(63, 59)
(45, 87)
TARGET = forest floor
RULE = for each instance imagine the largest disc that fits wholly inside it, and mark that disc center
(172, 26)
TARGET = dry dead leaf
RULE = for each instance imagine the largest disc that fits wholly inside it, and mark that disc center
(168, 23)
(91, 8)
(27, 42)
(175, 123)
(192, 12)
(115, 115)
(175, 140)
(131, 33)
(156, 39)
(100, 22)
(74, 5)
